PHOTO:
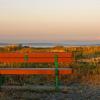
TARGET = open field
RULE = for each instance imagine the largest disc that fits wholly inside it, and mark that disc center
(83, 84)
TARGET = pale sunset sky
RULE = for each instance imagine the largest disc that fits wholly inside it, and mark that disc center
(49, 20)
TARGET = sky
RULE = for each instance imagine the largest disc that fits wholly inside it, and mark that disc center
(49, 20)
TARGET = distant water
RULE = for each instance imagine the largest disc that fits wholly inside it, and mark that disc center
(61, 44)
(44, 44)
(54, 44)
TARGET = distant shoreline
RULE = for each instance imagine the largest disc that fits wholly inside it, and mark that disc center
(49, 45)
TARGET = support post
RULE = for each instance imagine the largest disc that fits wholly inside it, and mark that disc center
(26, 57)
(56, 73)
(2, 80)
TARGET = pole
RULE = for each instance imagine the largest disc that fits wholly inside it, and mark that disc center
(56, 73)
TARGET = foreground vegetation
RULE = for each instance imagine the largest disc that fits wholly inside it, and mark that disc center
(86, 65)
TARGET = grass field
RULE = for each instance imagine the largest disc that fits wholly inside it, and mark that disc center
(84, 82)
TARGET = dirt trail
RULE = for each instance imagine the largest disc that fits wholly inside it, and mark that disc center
(81, 92)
